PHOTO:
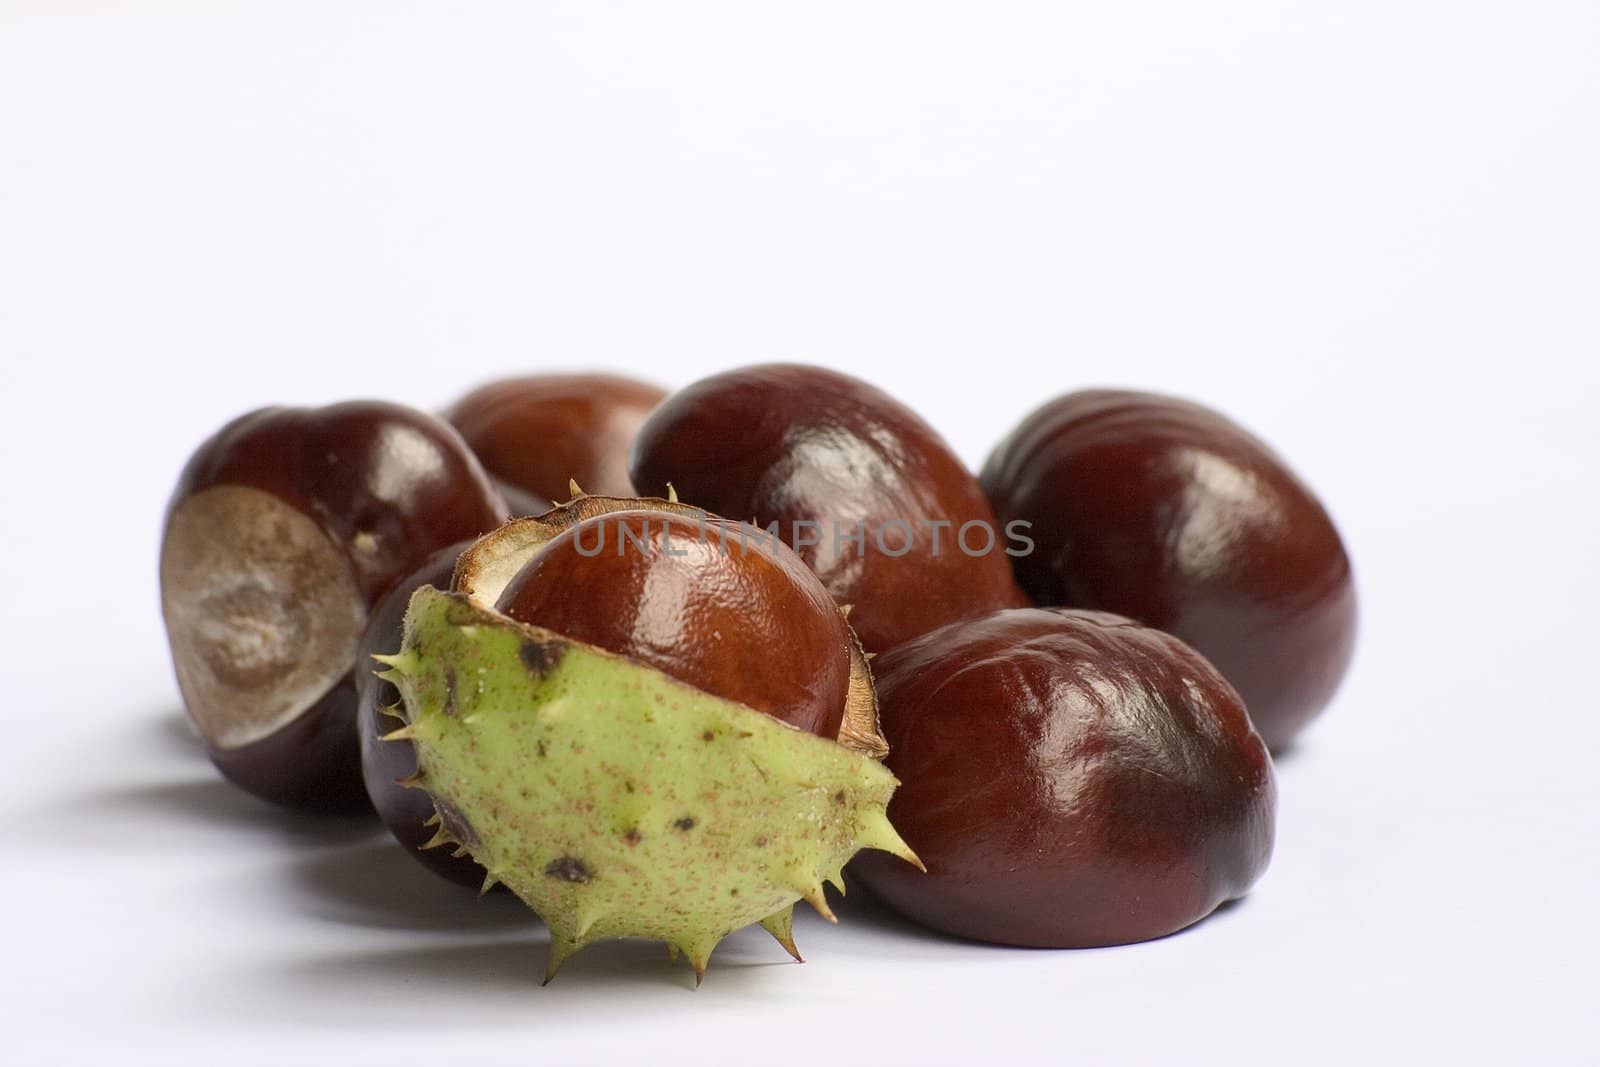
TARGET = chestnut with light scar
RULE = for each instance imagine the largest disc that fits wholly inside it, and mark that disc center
(284, 531)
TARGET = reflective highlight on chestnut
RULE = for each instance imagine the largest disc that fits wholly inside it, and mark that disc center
(537, 433)
(1169, 513)
(713, 603)
(797, 445)
(1070, 779)
(284, 529)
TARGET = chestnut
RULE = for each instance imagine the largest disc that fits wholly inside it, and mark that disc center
(1169, 513)
(539, 433)
(869, 495)
(692, 595)
(1070, 779)
(386, 764)
(285, 528)
(713, 603)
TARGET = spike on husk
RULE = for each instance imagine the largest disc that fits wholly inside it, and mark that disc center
(812, 894)
(440, 838)
(780, 924)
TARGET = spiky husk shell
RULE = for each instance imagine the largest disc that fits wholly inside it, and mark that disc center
(615, 800)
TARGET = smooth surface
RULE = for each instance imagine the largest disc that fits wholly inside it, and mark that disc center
(1069, 779)
(541, 433)
(864, 490)
(706, 601)
(1366, 231)
(1171, 514)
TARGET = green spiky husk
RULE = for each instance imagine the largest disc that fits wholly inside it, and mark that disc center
(617, 801)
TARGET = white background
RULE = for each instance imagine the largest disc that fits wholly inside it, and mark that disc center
(1369, 230)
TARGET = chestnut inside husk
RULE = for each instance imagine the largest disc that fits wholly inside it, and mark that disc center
(613, 798)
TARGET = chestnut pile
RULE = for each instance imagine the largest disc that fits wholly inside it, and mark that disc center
(773, 632)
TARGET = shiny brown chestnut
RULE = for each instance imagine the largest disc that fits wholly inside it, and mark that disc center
(539, 433)
(713, 603)
(408, 813)
(1070, 779)
(827, 457)
(284, 530)
(1169, 513)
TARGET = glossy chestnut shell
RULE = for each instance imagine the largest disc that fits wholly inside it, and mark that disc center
(1070, 779)
(802, 445)
(384, 764)
(538, 433)
(710, 602)
(285, 528)
(1169, 513)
